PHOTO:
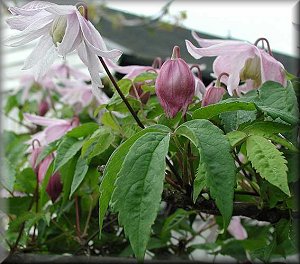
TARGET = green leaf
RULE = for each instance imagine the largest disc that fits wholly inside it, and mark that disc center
(145, 76)
(11, 102)
(139, 187)
(15, 205)
(109, 120)
(83, 130)
(236, 137)
(112, 168)
(8, 174)
(26, 181)
(268, 161)
(47, 150)
(66, 150)
(210, 111)
(200, 180)
(278, 101)
(218, 162)
(67, 172)
(98, 143)
(232, 120)
(80, 171)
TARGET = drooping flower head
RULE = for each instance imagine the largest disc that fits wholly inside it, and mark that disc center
(241, 60)
(214, 92)
(61, 29)
(175, 85)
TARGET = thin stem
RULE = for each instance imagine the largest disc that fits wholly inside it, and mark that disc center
(199, 72)
(120, 93)
(78, 232)
(88, 218)
(268, 44)
(85, 9)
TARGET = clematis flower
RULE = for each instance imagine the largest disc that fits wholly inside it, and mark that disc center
(241, 60)
(175, 85)
(236, 229)
(212, 95)
(79, 94)
(55, 128)
(61, 29)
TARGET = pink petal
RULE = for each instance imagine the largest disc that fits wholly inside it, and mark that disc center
(61, 10)
(44, 121)
(55, 132)
(206, 42)
(43, 167)
(272, 69)
(224, 48)
(236, 229)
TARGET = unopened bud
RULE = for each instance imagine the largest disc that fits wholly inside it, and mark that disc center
(175, 85)
(54, 187)
(43, 108)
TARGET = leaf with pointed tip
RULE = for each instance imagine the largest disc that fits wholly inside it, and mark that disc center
(216, 160)
(139, 187)
(268, 161)
(66, 150)
(114, 165)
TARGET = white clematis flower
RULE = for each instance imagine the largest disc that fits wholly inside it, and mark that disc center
(61, 29)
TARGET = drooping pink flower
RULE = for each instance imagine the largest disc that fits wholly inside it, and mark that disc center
(175, 85)
(55, 128)
(241, 60)
(61, 29)
(236, 229)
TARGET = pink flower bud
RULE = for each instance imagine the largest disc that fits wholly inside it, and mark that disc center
(54, 187)
(213, 95)
(43, 108)
(175, 85)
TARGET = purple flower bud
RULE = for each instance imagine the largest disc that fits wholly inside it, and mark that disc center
(175, 85)
(43, 108)
(54, 187)
(213, 95)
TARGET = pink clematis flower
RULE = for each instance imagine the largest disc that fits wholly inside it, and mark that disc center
(79, 94)
(55, 128)
(61, 29)
(241, 60)
(54, 187)
(236, 229)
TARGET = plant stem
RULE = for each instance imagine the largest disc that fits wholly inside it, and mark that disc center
(78, 232)
(112, 79)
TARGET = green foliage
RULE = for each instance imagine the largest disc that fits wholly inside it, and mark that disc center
(268, 161)
(216, 161)
(139, 187)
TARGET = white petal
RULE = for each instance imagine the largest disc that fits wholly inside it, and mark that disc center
(61, 9)
(30, 8)
(44, 64)
(209, 42)
(94, 40)
(72, 37)
(38, 52)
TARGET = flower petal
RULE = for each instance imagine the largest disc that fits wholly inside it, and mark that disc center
(38, 52)
(94, 40)
(30, 8)
(56, 131)
(72, 37)
(44, 121)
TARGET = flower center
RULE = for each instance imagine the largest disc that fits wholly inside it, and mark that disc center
(252, 70)
(58, 29)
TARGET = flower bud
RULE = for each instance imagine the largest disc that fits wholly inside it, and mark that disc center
(213, 95)
(58, 29)
(43, 108)
(175, 85)
(54, 187)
